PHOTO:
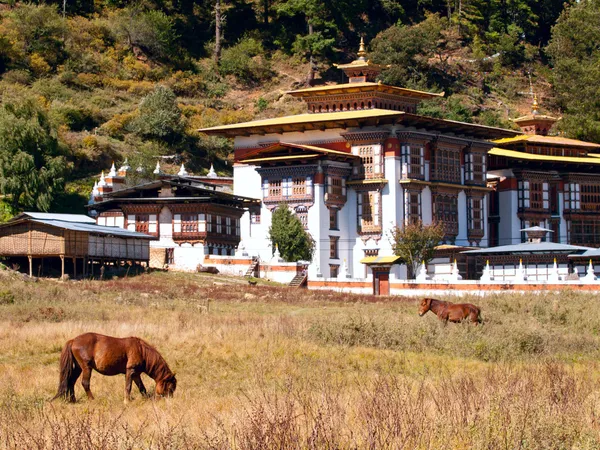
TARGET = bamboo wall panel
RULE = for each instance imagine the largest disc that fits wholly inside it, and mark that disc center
(76, 243)
(118, 248)
(40, 241)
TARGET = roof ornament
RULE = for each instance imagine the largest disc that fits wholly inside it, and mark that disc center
(125, 167)
(211, 172)
(140, 169)
(157, 170)
(113, 170)
(362, 53)
(102, 180)
(182, 172)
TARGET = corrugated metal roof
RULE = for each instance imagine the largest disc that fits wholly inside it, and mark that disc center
(529, 247)
(380, 260)
(529, 156)
(89, 228)
(539, 139)
(78, 218)
(594, 253)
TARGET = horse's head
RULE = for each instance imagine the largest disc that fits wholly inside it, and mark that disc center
(166, 387)
(424, 306)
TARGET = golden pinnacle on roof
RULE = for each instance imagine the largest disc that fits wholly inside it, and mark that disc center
(361, 50)
(534, 105)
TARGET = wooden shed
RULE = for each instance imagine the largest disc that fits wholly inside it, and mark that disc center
(71, 236)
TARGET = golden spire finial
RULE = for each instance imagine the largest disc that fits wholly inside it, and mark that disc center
(534, 106)
(361, 50)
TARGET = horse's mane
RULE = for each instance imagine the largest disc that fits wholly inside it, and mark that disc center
(155, 363)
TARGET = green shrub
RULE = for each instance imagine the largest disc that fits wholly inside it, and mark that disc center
(246, 62)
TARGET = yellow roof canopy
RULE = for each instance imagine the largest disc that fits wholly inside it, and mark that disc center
(380, 260)
(549, 158)
(546, 140)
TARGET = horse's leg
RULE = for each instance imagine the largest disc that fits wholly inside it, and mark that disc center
(72, 381)
(85, 381)
(138, 382)
(129, 375)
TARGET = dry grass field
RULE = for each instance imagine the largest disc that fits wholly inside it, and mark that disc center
(266, 367)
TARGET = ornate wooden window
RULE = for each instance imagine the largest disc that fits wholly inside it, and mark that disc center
(209, 223)
(274, 189)
(287, 189)
(572, 196)
(475, 216)
(585, 232)
(333, 247)
(533, 195)
(446, 165)
(371, 162)
(369, 211)
(143, 223)
(189, 223)
(445, 209)
(302, 214)
(475, 167)
(412, 206)
(336, 190)
(255, 217)
(333, 219)
(412, 158)
(590, 197)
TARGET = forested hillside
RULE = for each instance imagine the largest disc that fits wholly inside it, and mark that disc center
(84, 82)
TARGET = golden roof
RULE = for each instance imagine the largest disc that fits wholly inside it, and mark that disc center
(549, 158)
(354, 118)
(546, 140)
(381, 260)
(315, 119)
(364, 86)
(261, 155)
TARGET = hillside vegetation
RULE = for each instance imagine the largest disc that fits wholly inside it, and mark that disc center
(107, 80)
(266, 368)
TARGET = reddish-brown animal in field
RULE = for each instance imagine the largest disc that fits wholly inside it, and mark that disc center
(452, 312)
(112, 356)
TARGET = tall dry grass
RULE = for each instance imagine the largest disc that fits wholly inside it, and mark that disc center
(265, 367)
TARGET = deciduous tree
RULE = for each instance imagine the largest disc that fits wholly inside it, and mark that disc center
(415, 243)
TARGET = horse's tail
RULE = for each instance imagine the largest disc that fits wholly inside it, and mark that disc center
(67, 363)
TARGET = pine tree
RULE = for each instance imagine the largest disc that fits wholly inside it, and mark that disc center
(289, 235)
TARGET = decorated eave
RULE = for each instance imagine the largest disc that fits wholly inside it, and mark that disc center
(366, 86)
(357, 119)
(551, 141)
(182, 193)
(283, 152)
(522, 157)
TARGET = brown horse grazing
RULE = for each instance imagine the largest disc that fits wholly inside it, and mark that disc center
(112, 356)
(447, 311)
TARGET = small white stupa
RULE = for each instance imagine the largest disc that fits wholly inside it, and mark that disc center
(344, 272)
(486, 275)
(590, 276)
(553, 276)
(157, 170)
(102, 181)
(113, 171)
(241, 250)
(520, 275)
(182, 172)
(211, 172)
(455, 274)
(422, 274)
(276, 256)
